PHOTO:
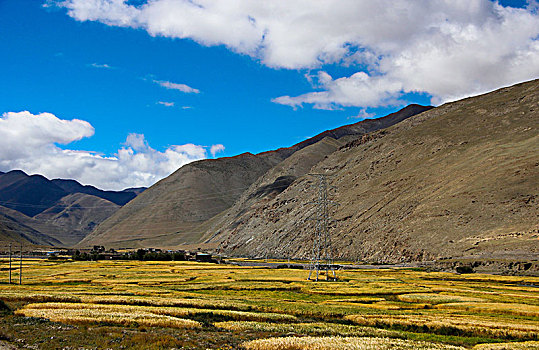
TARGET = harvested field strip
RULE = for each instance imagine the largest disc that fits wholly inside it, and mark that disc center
(239, 287)
(320, 329)
(342, 343)
(452, 325)
(37, 297)
(501, 308)
(527, 345)
(433, 298)
(84, 316)
(169, 311)
(194, 303)
(361, 300)
(351, 291)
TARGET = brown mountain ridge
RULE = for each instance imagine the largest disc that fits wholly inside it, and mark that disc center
(36, 210)
(460, 180)
(177, 210)
(456, 181)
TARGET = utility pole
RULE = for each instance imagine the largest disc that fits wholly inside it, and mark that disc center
(20, 267)
(10, 263)
(321, 258)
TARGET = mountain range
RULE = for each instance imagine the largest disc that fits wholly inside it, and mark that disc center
(179, 209)
(457, 181)
(36, 210)
(460, 180)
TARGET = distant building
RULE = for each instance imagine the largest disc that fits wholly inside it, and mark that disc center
(203, 257)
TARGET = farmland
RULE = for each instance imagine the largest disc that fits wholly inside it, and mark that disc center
(189, 305)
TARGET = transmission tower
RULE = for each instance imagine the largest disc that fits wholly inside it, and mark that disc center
(321, 258)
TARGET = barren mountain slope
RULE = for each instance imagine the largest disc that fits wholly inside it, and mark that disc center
(173, 207)
(309, 153)
(15, 232)
(73, 217)
(270, 185)
(176, 210)
(458, 180)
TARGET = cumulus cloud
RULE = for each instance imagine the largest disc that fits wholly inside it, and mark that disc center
(166, 104)
(360, 89)
(446, 48)
(216, 149)
(174, 86)
(362, 115)
(30, 142)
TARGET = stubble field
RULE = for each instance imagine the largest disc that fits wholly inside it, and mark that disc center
(188, 305)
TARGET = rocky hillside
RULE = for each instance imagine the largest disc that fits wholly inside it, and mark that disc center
(168, 212)
(177, 210)
(455, 181)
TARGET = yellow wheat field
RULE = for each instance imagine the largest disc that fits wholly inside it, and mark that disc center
(465, 323)
(109, 316)
(155, 310)
(255, 301)
(527, 345)
(317, 328)
(342, 343)
(432, 298)
(504, 308)
(160, 301)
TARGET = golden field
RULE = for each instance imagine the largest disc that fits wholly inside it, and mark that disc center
(161, 305)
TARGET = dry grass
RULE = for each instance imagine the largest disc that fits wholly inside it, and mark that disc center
(389, 289)
(453, 324)
(84, 315)
(499, 308)
(168, 311)
(254, 301)
(360, 300)
(528, 345)
(160, 301)
(342, 343)
(326, 329)
(433, 298)
(37, 297)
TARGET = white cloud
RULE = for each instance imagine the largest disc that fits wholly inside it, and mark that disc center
(447, 48)
(362, 115)
(166, 104)
(360, 89)
(104, 65)
(174, 86)
(216, 149)
(29, 142)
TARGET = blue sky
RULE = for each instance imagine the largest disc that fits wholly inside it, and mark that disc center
(111, 70)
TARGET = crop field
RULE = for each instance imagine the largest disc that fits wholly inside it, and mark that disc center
(188, 305)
